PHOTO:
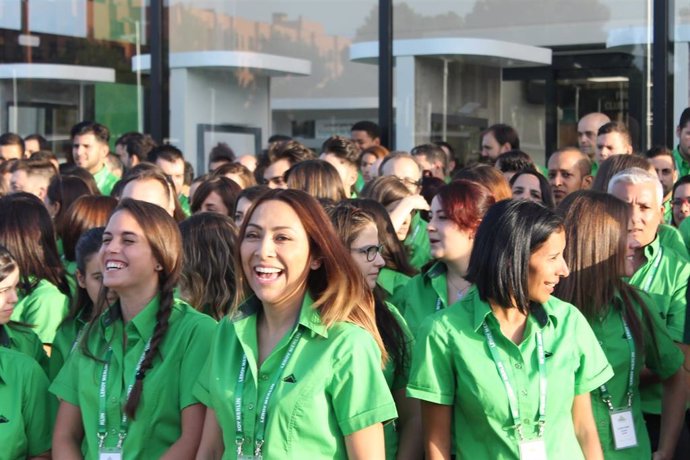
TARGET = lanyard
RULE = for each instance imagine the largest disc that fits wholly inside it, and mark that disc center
(605, 395)
(512, 400)
(653, 270)
(239, 388)
(124, 421)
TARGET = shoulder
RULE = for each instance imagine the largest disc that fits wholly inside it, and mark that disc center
(186, 317)
(18, 368)
(564, 314)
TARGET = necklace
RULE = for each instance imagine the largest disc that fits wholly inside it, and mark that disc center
(459, 292)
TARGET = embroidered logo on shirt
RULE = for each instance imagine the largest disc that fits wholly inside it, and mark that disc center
(547, 354)
(290, 379)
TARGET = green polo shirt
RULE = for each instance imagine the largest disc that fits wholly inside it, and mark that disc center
(668, 212)
(26, 415)
(392, 282)
(167, 385)
(667, 284)
(184, 204)
(396, 380)
(452, 365)
(684, 230)
(63, 344)
(44, 307)
(331, 387)
(682, 165)
(595, 168)
(664, 360)
(24, 340)
(359, 183)
(425, 294)
(670, 237)
(417, 242)
(105, 181)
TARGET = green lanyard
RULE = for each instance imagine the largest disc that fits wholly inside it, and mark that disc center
(512, 400)
(124, 421)
(605, 395)
(239, 388)
(653, 270)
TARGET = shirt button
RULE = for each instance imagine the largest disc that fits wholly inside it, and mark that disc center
(113, 431)
(264, 377)
(518, 365)
(526, 421)
(250, 406)
(523, 392)
(113, 399)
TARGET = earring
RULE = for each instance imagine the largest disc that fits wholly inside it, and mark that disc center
(159, 267)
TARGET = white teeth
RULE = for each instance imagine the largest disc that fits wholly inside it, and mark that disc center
(114, 265)
(267, 270)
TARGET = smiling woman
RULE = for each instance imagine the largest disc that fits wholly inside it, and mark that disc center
(537, 344)
(295, 368)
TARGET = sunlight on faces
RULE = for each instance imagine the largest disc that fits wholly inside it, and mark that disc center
(236, 178)
(682, 210)
(275, 255)
(565, 176)
(346, 171)
(368, 236)
(631, 246)
(611, 144)
(665, 171)
(405, 169)
(11, 152)
(363, 140)
(8, 296)
(31, 146)
(88, 152)
(546, 268)
(367, 161)
(126, 256)
(243, 205)
(274, 174)
(405, 227)
(683, 134)
(449, 243)
(174, 170)
(151, 191)
(646, 209)
(527, 187)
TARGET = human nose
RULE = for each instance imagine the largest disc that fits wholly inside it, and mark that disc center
(378, 260)
(563, 269)
(265, 248)
(12, 297)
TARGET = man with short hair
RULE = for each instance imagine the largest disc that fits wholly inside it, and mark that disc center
(11, 147)
(404, 166)
(342, 154)
(133, 148)
(365, 134)
(681, 154)
(90, 150)
(497, 139)
(32, 176)
(282, 156)
(570, 170)
(587, 129)
(613, 138)
(661, 159)
(432, 158)
(220, 155)
(512, 162)
(171, 161)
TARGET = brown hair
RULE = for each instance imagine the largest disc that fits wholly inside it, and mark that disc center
(238, 169)
(208, 278)
(318, 178)
(337, 286)
(225, 188)
(597, 265)
(612, 166)
(385, 190)
(489, 177)
(86, 212)
(465, 202)
(150, 171)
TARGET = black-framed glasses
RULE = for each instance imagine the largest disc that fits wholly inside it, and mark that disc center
(369, 251)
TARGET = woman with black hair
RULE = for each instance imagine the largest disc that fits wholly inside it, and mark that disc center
(126, 390)
(507, 371)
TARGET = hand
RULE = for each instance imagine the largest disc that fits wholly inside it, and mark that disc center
(658, 455)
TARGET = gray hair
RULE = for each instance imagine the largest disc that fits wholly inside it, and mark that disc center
(638, 176)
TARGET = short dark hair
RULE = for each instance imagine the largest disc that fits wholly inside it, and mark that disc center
(221, 152)
(343, 148)
(504, 134)
(278, 138)
(657, 151)
(616, 127)
(12, 139)
(136, 144)
(292, 151)
(685, 180)
(514, 160)
(372, 129)
(432, 152)
(42, 141)
(100, 132)
(43, 155)
(506, 238)
(684, 118)
(165, 152)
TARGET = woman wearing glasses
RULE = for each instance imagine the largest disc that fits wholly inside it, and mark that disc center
(456, 212)
(358, 231)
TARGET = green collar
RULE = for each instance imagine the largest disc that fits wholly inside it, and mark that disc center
(539, 314)
(308, 316)
(437, 269)
(144, 322)
(651, 249)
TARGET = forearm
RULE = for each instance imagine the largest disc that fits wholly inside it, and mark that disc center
(64, 449)
(192, 421)
(585, 428)
(410, 446)
(672, 413)
(436, 419)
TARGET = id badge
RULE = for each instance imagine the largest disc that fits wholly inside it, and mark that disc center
(533, 449)
(109, 454)
(623, 426)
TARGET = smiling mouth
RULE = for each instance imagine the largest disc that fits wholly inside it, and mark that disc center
(267, 273)
(111, 265)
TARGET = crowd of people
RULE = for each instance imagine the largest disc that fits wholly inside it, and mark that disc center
(346, 303)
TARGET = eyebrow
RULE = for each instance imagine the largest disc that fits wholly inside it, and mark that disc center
(281, 227)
